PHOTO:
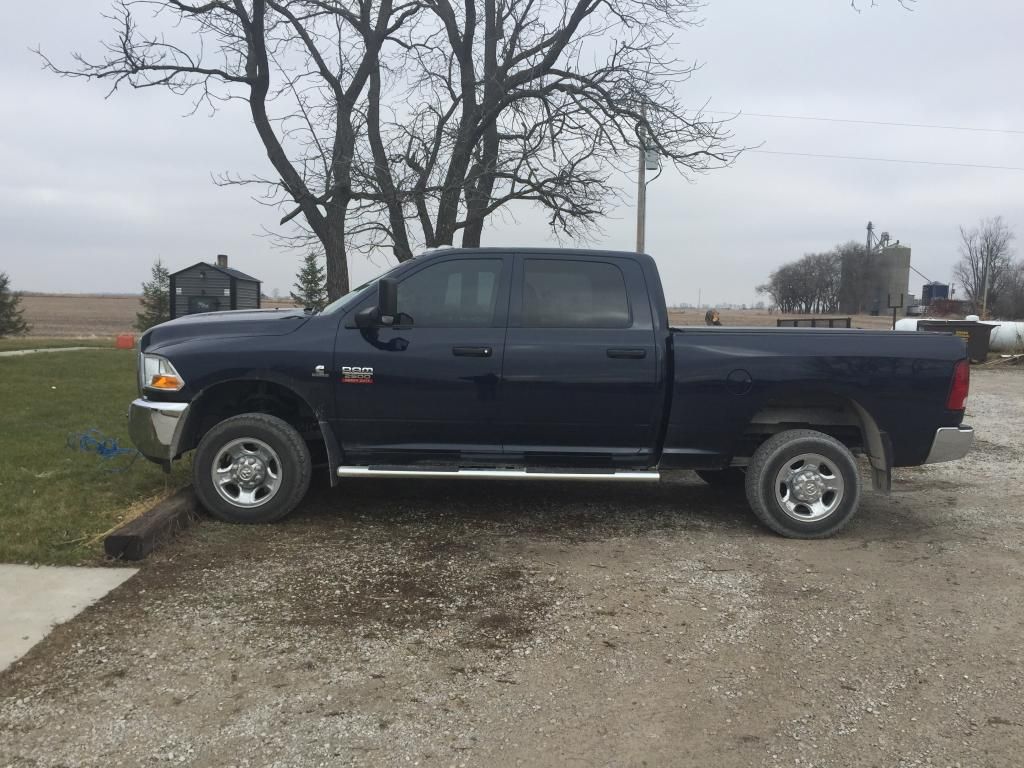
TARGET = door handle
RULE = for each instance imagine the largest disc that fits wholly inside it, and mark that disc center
(627, 353)
(472, 351)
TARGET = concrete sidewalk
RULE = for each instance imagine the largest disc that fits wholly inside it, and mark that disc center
(20, 352)
(34, 600)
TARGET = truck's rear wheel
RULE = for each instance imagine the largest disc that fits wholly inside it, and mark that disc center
(803, 484)
(730, 477)
(253, 468)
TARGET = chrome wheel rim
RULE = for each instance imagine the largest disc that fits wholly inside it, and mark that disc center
(246, 473)
(809, 487)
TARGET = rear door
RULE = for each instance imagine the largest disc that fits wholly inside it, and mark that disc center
(579, 382)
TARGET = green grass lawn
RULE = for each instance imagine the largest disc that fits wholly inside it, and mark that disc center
(32, 342)
(55, 501)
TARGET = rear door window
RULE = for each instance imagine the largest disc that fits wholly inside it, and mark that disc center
(570, 293)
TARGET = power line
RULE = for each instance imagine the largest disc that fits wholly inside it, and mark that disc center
(869, 122)
(889, 160)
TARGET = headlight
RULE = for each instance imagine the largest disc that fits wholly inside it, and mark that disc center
(158, 373)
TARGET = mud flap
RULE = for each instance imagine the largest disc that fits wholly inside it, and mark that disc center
(881, 476)
(881, 480)
(333, 451)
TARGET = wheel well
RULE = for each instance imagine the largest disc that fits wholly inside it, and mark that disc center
(844, 419)
(233, 398)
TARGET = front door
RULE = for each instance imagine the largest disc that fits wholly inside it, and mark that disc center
(427, 389)
(579, 384)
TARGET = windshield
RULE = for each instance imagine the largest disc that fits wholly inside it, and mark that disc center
(346, 301)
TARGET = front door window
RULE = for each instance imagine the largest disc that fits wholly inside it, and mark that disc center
(461, 293)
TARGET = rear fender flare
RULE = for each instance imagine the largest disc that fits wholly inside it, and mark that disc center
(878, 448)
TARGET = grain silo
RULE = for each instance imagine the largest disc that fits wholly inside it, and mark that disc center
(875, 275)
(893, 276)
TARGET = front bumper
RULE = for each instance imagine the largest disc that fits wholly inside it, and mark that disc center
(950, 444)
(156, 428)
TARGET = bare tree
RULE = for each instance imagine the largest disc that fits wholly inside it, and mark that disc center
(907, 5)
(302, 67)
(809, 284)
(829, 272)
(381, 113)
(1010, 304)
(985, 262)
(511, 107)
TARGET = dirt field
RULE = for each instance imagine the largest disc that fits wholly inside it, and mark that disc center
(444, 623)
(71, 316)
(74, 316)
(66, 315)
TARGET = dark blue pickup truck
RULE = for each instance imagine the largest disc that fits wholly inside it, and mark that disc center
(541, 365)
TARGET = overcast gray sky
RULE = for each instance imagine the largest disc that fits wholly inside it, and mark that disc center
(93, 190)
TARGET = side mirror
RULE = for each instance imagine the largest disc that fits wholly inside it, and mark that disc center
(387, 299)
(386, 311)
(366, 318)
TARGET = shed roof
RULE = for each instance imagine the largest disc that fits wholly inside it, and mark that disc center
(224, 270)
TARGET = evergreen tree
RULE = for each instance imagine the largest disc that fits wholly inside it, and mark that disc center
(156, 298)
(311, 289)
(12, 323)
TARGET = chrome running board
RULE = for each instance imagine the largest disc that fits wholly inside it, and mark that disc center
(498, 474)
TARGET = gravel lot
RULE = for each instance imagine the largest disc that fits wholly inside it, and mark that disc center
(436, 623)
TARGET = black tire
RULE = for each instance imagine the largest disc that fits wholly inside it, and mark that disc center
(773, 504)
(730, 477)
(277, 447)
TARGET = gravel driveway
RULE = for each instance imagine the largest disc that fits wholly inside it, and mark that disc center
(440, 623)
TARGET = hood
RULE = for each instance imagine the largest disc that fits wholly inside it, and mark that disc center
(241, 322)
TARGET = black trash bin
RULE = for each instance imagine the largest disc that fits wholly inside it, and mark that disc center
(975, 333)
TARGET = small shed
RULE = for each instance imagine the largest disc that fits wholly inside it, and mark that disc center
(205, 287)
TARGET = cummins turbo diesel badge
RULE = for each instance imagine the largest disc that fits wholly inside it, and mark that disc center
(353, 374)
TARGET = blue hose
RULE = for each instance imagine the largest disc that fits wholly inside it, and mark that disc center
(94, 441)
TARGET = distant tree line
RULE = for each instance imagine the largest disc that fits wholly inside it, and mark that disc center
(816, 282)
(991, 278)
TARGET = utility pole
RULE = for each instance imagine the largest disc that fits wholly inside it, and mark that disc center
(984, 295)
(860, 289)
(641, 185)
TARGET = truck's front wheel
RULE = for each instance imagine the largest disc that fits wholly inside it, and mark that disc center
(253, 468)
(803, 484)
